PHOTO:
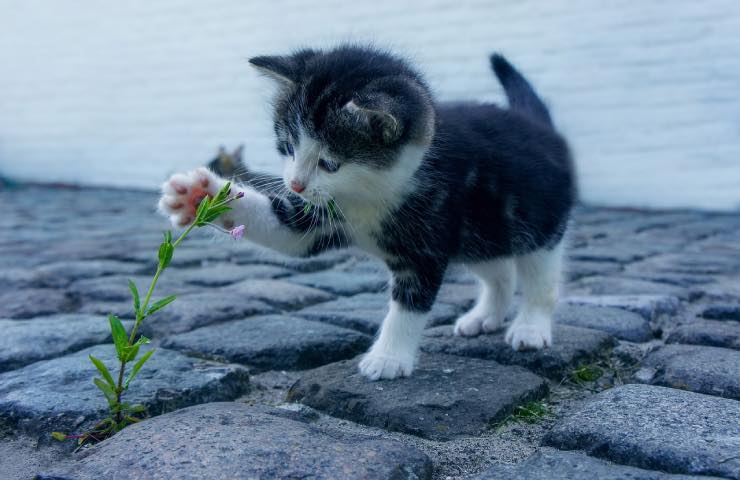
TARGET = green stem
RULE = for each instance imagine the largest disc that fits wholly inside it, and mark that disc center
(140, 314)
(140, 317)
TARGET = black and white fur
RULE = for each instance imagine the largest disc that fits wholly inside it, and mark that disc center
(417, 183)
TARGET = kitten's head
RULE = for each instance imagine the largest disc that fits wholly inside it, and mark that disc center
(351, 122)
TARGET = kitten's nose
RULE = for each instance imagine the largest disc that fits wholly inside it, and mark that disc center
(297, 186)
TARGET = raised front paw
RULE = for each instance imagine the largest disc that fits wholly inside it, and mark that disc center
(375, 366)
(182, 193)
(524, 335)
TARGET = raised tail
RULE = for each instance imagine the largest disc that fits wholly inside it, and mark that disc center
(520, 93)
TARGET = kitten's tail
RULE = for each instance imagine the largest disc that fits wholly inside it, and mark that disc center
(520, 93)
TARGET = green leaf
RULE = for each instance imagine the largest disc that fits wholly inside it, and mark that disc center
(137, 408)
(59, 436)
(135, 294)
(137, 367)
(214, 213)
(120, 339)
(167, 237)
(161, 304)
(202, 209)
(132, 352)
(110, 395)
(222, 194)
(166, 249)
(103, 371)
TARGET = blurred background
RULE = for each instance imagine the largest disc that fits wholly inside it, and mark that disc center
(125, 93)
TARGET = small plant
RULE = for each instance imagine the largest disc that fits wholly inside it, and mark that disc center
(531, 412)
(127, 344)
(587, 373)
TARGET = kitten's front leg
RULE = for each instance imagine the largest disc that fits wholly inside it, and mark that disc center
(394, 352)
(266, 220)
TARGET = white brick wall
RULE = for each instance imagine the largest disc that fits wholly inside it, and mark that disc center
(123, 93)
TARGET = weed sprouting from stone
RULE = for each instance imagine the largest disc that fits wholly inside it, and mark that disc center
(587, 373)
(530, 412)
(128, 344)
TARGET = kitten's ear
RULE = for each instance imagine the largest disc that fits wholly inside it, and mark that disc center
(279, 68)
(285, 69)
(374, 112)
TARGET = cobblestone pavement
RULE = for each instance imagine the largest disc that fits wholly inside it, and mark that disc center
(255, 370)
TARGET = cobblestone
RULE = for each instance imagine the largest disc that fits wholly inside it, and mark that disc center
(28, 341)
(446, 397)
(656, 428)
(271, 342)
(59, 394)
(551, 464)
(650, 297)
(707, 332)
(572, 346)
(231, 440)
(710, 370)
(618, 322)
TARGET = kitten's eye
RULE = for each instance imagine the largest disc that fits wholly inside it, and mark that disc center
(327, 166)
(289, 148)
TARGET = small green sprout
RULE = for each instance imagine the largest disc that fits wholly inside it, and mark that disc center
(128, 344)
(531, 412)
(587, 373)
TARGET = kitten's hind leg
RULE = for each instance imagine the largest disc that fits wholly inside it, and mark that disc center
(539, 273)
(497, 284)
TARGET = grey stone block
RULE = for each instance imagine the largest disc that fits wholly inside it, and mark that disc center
(278, 293)
(28, 341)
(709, 370)
(115, 288)
(714, 333)
(59, 394)
(649, 306)
(200, 309)
(656, 428)
(729, 311)
(445, 397)
(343, 282)
(272, 342)
(34, 302)
(571, 347)
(550, 464)
(232, 440)
(221, 274)
(365, 312)
(621, 323)
(625, 286)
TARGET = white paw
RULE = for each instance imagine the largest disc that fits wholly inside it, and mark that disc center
(474, 323)
(376, 367)
(182, 193)
(528, 336)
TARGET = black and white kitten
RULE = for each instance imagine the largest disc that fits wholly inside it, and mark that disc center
(416, 183)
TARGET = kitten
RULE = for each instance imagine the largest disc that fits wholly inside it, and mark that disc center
(372, 160)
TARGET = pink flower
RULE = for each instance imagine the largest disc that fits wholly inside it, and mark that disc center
(237, 232)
